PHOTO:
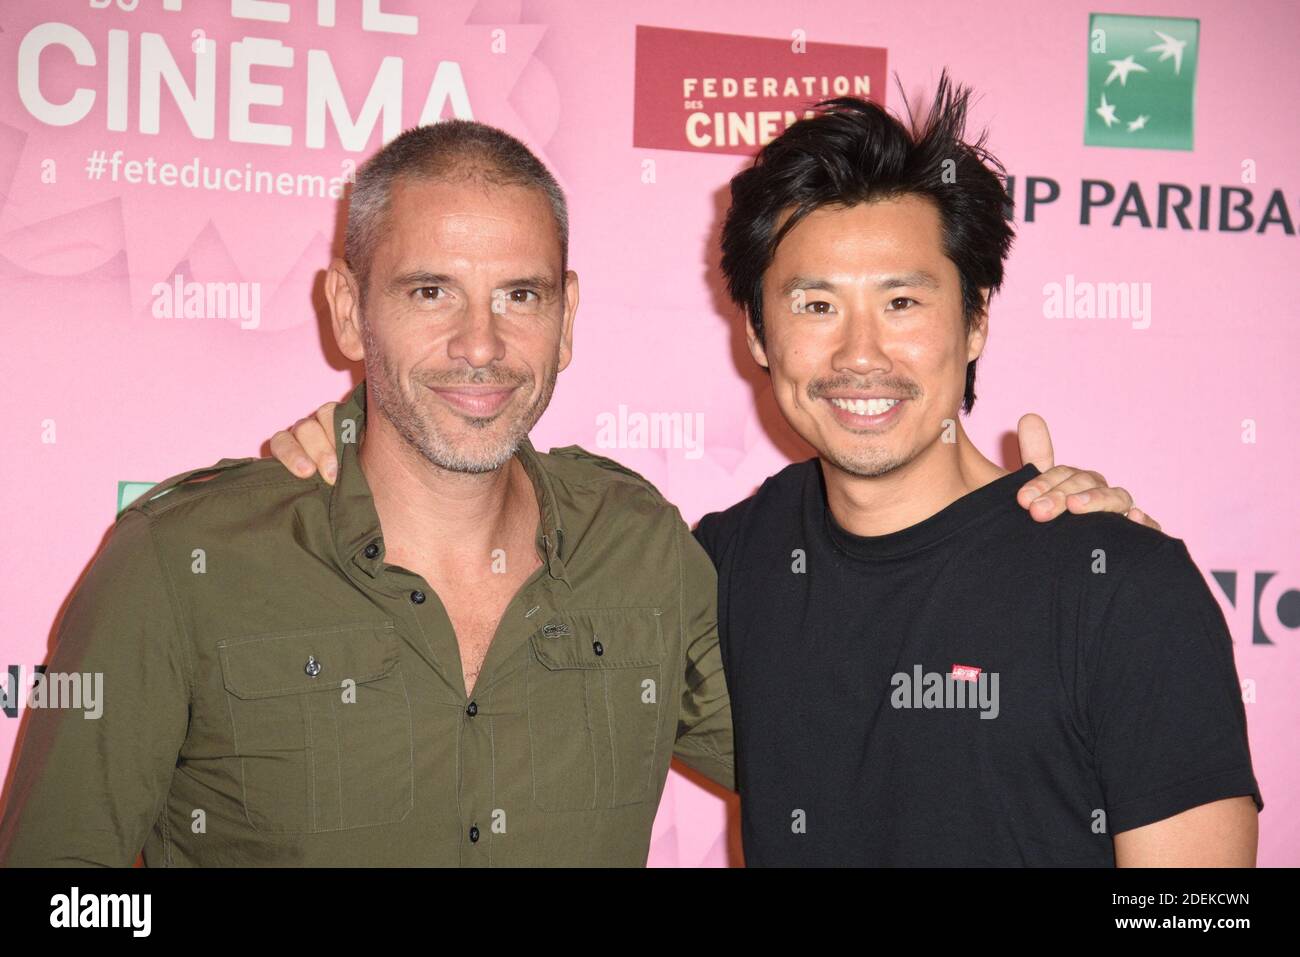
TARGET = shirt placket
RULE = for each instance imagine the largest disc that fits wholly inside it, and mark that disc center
(482, 819)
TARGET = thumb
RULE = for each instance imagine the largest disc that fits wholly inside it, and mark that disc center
(1035, 443)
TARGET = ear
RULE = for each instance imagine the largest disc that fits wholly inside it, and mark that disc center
(756, 348)
(345, 309)
(570, 312)
(978, 334)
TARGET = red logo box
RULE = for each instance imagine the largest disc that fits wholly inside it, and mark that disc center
(721, 93)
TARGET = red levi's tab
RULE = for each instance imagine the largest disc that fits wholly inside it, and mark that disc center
(966, 672)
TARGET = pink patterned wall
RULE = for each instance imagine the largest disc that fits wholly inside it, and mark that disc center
(1187, 398)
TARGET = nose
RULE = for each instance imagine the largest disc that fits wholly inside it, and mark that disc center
(477, 338)
(861, 347)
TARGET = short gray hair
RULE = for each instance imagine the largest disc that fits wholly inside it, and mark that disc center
(450, 149)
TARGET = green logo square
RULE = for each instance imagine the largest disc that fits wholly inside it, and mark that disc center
(1141, 81)
(128, 492)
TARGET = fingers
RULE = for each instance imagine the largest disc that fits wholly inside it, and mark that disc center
(1066, 488)
(286, 448)
(318, 444)
(1052, 478)
(1035, 441)
(307, 446)
(325, 416)
(1137, 515)
(1116, 500)
(326, 458)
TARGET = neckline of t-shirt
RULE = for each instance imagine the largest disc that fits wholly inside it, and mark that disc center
(984, 501)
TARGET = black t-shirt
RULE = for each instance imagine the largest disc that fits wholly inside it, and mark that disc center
(976, 689)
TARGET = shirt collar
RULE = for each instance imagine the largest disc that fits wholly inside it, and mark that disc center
(355, 523)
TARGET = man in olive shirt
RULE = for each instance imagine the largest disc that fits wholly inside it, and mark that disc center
(500, 677)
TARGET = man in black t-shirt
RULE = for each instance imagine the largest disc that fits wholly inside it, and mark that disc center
(924, 669)
(920, 673)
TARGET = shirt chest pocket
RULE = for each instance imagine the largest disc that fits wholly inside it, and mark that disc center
(596, 688)
(321, 726)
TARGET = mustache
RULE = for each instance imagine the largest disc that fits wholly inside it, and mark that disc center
(488, 376)
(906, 388)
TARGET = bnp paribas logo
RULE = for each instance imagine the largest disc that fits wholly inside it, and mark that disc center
(1141, 81)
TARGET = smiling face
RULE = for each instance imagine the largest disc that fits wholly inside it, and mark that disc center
(468, 318)
(864, 334)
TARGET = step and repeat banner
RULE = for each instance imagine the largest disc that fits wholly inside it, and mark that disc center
(171, 174)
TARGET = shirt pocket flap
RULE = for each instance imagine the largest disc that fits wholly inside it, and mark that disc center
(294, 662)
(600, 638)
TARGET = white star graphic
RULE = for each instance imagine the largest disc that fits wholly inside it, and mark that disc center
(1122, 68)
(1169, 48)
(1107, 112)
(1138, 124)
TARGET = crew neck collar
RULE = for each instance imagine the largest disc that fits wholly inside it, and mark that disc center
(995, 496)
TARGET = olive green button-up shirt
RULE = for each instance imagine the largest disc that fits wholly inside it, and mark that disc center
(274, 693)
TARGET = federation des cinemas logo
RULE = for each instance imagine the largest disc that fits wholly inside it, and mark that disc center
(720, 93)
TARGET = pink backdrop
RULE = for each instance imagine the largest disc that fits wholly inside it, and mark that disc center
(1192, 410)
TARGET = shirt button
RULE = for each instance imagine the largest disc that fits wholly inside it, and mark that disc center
(417, 597)
(598, 648)
(372, 550)
(312, 668)
(473, 835)
(472, 709)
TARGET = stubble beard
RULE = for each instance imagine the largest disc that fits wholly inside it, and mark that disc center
(416, 426)
(872, 463)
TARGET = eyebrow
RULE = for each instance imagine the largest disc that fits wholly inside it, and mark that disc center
(418, 278)
(542, 283)
(919, 279)
(422, 278)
